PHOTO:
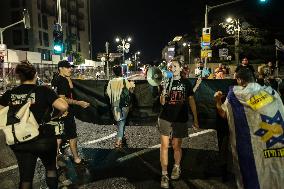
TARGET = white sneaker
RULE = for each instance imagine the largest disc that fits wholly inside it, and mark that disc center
(176, 173)
(165, 181)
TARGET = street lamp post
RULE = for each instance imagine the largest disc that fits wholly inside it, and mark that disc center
(135, 58)
(189, 50)
(233, 27)
(26, 21)
(124, 47)
(209, 8)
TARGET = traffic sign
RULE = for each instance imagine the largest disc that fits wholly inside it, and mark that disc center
(206, 38)
(223, 52)
(206, 53)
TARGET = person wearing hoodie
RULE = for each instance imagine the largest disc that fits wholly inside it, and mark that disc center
(255, 118)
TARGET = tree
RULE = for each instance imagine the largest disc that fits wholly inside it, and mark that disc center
(77, 57)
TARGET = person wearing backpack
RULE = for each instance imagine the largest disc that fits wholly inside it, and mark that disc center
(118, 90)
(44, 146)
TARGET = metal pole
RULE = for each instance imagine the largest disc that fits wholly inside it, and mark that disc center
(107, 59)
(189, 51)
(206, 25)
(277, 69)
(123, 49)
(237, 53)
(1, 30)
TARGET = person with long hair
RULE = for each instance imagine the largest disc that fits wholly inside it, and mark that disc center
(43, 100)
(172, 121)
(114, 90)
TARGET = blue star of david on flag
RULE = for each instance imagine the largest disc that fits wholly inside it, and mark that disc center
(270, 120)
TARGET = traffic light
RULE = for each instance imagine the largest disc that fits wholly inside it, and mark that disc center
(263, 1)
(58, 45)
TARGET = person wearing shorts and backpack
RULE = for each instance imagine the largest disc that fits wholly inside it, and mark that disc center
(118, 92)
(172, 121)
(44, 146)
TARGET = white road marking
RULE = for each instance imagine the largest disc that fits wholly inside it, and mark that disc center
(101, 139)
(137, 154)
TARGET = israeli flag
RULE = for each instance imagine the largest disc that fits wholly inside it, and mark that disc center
(255, 116)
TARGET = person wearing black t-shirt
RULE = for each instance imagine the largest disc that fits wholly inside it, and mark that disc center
(172, 121)
(43, 100)
(64, 88)
(245, 65)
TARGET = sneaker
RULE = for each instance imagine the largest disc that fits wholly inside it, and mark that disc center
(175, 173)
(165, 181)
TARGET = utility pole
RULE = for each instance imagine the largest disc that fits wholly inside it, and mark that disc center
(107, 59)
(209, 8)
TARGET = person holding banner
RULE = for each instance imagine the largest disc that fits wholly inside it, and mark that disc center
(255, 116)
(172, 121)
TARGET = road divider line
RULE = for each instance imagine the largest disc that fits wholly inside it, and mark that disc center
(151, 148)
(8, 168)
(101, 139)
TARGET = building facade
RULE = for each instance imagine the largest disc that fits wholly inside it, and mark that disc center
(75, 16)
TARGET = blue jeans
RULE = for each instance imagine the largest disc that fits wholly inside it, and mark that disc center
(120, 115)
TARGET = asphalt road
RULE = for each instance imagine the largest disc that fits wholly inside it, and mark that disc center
(135, 166)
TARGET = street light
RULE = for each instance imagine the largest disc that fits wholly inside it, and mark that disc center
(27, 24)
(124, 47)
(189, 50)
(233, 27)
(209, 8)
(135, 58)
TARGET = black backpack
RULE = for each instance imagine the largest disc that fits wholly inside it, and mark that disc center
(125, 97)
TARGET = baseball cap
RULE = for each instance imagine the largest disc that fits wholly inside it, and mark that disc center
(64, 64)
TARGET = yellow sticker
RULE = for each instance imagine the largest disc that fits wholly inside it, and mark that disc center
(259, 100)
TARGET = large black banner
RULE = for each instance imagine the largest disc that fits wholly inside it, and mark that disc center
(145, 106)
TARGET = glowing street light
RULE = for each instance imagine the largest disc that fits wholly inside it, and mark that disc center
(124, 47)
(189, 50)
(233, 27)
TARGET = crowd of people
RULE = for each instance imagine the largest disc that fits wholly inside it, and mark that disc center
(254, 114)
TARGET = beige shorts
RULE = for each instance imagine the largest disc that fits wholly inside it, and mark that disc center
(174, 129)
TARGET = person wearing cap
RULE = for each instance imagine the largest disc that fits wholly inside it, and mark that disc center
(64, 87)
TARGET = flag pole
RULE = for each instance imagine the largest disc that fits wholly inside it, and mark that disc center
(276, 56)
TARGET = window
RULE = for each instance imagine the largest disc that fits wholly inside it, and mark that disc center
(15, 3)
(78, 35)
(40, 37)
(45, 39)
(44, 22)
(79, 47)
(38, 4)
(39, 20)
(16, 16)
(17, 37)
(26, 37)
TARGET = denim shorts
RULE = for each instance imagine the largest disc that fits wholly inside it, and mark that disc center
(174, 129)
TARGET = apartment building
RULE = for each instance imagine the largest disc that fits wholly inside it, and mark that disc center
(43, 14)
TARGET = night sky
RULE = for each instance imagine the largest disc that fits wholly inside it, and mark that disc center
(153, 23)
